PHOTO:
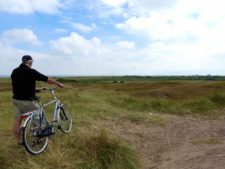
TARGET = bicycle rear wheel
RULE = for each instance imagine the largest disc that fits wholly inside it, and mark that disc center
(65, 120)
(34, 144)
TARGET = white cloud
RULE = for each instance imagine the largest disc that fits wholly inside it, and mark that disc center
(92, 57)
(10, 58)
(114, 3)
(15, 36)
(30, 6)
(49, 6)
(191, 33)
(76, 55)
(77, 45)
(60, 30)
(80, 26)
(83, 28)
(14, 6)
(187, 19)
(143, 7)
(127, 8)
(126, 44)
(106, 8)
(162, 26)
(46, 63)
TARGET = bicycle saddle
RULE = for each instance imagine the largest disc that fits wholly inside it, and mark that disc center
(35, 98)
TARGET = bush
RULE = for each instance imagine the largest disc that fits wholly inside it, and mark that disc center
(111, 153)
(219, 99)
(95, 149)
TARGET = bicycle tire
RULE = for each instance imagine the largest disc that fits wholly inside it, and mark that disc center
(33, 144)
(65, 120)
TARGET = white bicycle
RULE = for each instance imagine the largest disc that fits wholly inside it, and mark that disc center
(36, 128)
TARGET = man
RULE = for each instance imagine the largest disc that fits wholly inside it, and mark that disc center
(24, 87)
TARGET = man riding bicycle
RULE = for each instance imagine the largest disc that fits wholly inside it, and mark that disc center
(24, 87)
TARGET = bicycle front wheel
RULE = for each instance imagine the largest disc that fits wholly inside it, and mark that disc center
(34, 144)
(65, 120)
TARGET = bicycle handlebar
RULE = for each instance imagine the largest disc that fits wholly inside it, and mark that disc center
(50, 89)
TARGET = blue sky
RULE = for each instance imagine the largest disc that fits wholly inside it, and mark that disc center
(120, 37)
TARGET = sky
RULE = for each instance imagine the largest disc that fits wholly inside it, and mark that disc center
(114, 37)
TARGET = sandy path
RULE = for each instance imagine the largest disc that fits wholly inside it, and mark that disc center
(183, 143)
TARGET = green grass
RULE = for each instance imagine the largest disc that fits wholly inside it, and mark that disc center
(92, 103)
(207, 141)
(81, 149)
(108, 153)
(145, 118)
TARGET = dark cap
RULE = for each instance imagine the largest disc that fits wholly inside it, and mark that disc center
(26, 58)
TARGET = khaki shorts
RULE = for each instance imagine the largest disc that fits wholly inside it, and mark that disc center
(24, 106)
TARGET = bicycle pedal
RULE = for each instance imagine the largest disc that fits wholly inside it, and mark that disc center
(47, 128)
(46, 132)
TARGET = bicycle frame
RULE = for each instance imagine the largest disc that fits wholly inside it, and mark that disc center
(25, 117)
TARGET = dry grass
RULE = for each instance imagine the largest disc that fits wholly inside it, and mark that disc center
(90, 103)
(82, 149)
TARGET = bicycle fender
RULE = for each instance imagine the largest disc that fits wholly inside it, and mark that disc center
(25, 121)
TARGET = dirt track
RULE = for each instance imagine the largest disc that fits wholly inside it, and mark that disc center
(182, 143)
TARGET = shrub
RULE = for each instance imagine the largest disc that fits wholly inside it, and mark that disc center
(219, 99)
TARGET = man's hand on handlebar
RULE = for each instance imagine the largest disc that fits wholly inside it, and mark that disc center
(38, 90)
(60, 85)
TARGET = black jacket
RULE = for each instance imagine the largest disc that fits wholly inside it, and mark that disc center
(24, 82)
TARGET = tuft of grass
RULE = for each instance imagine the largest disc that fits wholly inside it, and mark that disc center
(200, 106)
(95, 149)
(218, 99)
(111, 153)
(145, 118)
(207, 141)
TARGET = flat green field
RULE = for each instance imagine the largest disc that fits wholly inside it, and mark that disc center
(99, 110)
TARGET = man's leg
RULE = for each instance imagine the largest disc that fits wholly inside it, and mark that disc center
(17, 122)
(17, 130)
(20, 108)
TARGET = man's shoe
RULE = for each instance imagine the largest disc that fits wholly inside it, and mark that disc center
(20, 144)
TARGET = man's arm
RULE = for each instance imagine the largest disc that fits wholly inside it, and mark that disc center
(52, 81)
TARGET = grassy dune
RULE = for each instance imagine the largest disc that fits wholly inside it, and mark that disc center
(91, 146)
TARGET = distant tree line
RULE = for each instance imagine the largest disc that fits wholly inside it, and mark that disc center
(122, 79)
